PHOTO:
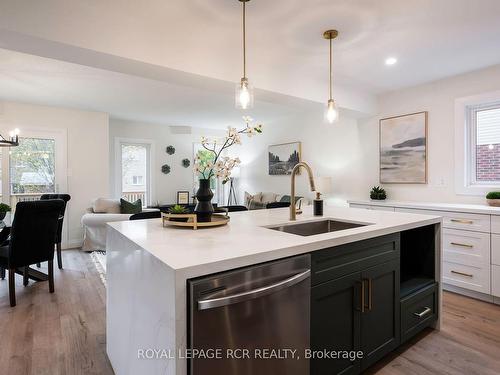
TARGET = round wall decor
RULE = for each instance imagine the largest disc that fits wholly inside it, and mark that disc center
(170, 150)
(186, 163)
(165, 168)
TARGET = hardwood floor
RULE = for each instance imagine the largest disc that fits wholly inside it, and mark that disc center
(64, 333)
(61, 333)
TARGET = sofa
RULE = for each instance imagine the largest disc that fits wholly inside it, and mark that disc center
(261, 200)
(104, 211)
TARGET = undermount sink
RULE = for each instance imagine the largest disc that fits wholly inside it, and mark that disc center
(311, 228)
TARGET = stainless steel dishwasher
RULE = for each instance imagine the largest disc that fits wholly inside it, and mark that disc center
(248, 321)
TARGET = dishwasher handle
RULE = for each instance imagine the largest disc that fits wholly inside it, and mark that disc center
(251, 294)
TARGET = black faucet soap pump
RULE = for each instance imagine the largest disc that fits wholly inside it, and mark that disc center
(318, 205)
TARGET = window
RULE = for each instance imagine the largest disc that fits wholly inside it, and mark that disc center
(137, 180)
(483, 131)
(135, 159)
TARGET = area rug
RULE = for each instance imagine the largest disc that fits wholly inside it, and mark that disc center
(99, 259)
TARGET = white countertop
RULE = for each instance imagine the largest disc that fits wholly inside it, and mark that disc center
(455, 207)
(245, 240)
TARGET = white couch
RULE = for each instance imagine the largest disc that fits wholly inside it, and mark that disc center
(260, 199)
(103, 211)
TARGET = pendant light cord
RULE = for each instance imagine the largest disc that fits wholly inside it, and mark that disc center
(331, 75)
(244, 43)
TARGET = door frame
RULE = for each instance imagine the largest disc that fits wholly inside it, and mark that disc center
(60, 137)
(150, 158)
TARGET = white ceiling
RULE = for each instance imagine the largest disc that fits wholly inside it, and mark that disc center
(39, 80)
(432, 39)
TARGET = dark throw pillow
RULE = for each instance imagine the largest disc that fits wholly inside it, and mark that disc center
(130, 208)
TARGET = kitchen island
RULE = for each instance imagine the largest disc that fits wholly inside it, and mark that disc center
(149, 268)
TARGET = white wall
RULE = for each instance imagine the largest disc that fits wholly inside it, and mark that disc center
(87, 153)
(338, 151)
(165, 187)
(438, 98)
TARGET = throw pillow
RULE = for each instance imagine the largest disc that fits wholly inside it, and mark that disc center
(286, 198)
(257, 197)
(106, 206)
(269, 197)
(130, 208)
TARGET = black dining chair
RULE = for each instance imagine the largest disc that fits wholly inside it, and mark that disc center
(66, 198)
(32, 239)
(234, 208)
(277, 205)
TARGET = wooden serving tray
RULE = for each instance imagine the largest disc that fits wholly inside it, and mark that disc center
(192, 222)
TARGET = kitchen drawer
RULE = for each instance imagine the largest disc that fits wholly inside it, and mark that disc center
(355, 205)
(456, 220)
(334, 262)
(495, 249)
(382, 208)
(495, 280)
(474, 222)
(418, 311)
(466, 247)
(495, 224)
(467, 277)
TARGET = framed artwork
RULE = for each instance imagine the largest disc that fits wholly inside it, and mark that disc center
(183, 197)
(403, 149)
(283, 157)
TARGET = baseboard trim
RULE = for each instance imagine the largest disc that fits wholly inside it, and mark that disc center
(470, 293)
(72, 244)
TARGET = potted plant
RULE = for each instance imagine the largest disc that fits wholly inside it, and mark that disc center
(216, 165)
(493, 198)
(178, 210)
(378, 193)
(4, 208)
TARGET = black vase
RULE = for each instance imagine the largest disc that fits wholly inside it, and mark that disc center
(204, 208)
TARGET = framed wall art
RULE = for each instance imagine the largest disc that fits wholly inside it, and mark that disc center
(403, 149)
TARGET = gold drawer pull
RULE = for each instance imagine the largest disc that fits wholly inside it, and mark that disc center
(426, 311)
(461, 244)
(462, 274)
(462, 221)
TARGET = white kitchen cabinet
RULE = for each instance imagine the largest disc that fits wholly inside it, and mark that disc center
(466, 247)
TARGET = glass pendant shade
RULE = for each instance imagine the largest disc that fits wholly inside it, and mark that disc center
(332, 112)
(244, 95)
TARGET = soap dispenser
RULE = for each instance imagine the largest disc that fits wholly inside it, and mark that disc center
(318, 205)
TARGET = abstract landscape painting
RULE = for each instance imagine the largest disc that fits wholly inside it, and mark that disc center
(283, 157)
(403, 149)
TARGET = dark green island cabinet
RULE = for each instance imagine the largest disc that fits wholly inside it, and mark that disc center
(370, 296)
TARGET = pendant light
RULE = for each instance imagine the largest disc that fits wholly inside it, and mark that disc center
(332, 112)
(244, 92)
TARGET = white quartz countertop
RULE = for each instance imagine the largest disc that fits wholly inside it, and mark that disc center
(245, 240)
(454, 207)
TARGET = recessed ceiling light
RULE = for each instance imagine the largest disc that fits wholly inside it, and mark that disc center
(391, 61)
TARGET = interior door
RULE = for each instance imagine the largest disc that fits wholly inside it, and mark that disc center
(335, 323)
(380, 333)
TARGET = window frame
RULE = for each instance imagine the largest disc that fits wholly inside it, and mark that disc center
(466, 109)
(471, 129)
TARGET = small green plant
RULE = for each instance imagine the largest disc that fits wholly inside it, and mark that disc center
(178, 209)
(5, 207)
(378, 193)
(493, 195)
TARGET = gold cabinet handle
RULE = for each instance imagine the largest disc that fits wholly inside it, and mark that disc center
(369, 294)
(462, 274)
(426, 311)
(461, 244)
(362, 296)
(462, 221)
